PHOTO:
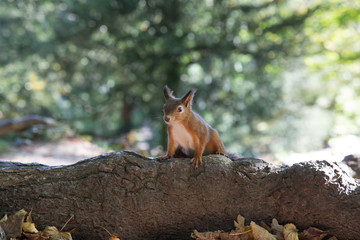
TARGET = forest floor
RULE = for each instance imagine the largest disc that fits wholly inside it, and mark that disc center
(71, 150)
(66, 151)
(337, 149)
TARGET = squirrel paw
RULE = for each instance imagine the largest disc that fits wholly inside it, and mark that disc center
(221, 153)
(161, 158)
(196, 161)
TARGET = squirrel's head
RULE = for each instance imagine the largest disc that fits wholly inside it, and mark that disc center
(177, 109)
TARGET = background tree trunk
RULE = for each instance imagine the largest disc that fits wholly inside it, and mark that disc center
(138, 198)
(126, 116)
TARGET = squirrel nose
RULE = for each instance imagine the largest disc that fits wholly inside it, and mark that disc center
(166, 119)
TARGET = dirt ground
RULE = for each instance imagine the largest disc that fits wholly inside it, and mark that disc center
(71, 150)
(64, 152)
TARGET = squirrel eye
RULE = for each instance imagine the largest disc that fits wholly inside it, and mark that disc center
(179, 109)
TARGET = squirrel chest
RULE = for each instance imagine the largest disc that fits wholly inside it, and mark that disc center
(182, 137)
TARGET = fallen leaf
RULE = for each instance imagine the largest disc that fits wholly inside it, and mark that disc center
(54, 234)
(21, 212)
(29, 227)
(205, 235)
(260, 233)
(35, 236)
(113, 236)
(240, 221)
(290, 232)
(256, 232)
(244, 232)
(313, 233)
(12, 225)
(277, 229)
(4, 219)
(29, 218)
(241, 235)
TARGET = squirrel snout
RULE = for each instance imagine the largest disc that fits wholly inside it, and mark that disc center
(166, 119)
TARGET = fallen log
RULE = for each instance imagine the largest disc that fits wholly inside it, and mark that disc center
(138, 198)
(23, 123)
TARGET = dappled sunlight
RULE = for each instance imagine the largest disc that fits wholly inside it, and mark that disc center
(336, 151)
(64, 152)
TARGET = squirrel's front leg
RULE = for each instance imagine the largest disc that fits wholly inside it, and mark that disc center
(198, 152)
(170, 151)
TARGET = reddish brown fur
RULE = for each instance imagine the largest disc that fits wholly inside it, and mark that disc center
(194, 134)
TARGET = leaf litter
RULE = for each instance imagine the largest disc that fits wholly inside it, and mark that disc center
(16, 227)
(263, 232)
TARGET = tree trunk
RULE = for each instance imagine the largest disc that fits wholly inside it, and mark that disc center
(126, 116)
(139, 198)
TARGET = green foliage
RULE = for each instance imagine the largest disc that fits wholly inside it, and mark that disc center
(100, 66)
(4, 146)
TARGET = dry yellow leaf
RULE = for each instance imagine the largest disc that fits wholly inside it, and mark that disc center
(261, 233)
(290, 232)
(4, 218)
(243, 229)
(21, 212)
(114, 238)
(240, 222)
(54, 234)
(29, 227)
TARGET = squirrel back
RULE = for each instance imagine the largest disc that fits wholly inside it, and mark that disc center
(188, 133)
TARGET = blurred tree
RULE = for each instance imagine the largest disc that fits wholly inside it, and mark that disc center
(321, 86)
(100, 66)
(335, 57)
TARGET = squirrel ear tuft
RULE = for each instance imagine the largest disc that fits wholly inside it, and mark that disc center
(168, 93)
(187, 98)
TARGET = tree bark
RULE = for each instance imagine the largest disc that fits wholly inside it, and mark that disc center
(23, 123)
(139, 198)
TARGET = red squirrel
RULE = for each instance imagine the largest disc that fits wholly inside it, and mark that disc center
(188, 133)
